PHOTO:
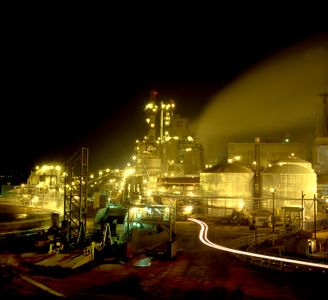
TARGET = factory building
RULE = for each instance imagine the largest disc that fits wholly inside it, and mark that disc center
(169, 154)
(44, 188)
(320, 156)
(168, 149)
(264, 151)
(183, 153)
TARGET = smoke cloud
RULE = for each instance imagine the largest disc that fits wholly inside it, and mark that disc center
(276, 96)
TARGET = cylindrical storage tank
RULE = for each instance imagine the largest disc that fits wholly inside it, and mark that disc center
(226, 188)
(286, 183)
(294, 161)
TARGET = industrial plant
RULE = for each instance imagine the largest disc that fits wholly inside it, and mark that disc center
(262, 183)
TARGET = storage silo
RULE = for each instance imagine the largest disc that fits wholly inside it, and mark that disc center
(283, 186)
(227, 187)
(293, 161)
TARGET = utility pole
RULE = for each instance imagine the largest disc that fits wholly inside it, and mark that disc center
(273, 191)
(315, 217)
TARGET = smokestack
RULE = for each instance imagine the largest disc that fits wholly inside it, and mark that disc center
(152, 96)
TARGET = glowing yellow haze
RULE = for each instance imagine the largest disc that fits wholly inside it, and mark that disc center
(276, 96)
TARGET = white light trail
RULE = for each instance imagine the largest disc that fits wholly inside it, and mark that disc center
(203, 238)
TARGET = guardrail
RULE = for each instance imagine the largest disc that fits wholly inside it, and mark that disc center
(250, 243)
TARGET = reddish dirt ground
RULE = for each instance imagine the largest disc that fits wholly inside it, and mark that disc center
(197, 272)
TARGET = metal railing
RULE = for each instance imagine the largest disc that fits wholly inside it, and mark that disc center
(251, 243)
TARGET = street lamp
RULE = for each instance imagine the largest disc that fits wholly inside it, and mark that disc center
(273, 191)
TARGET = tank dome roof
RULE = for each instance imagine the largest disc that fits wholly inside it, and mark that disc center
(291, 160)
(229, 168)
(289, 169)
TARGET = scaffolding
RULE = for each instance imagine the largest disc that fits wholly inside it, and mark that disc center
(75, 195)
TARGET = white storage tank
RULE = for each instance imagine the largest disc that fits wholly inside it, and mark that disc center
(285, 183)
(227, 187)
(293, 161)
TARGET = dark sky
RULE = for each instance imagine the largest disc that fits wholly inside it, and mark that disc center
(71, 84)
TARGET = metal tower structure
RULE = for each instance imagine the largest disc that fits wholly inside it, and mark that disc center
(167, 110)
(257, 177)
(323, 116)
(151, 112)
(75, 195)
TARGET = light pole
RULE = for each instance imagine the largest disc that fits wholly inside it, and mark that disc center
(303, 195)
(273, 191)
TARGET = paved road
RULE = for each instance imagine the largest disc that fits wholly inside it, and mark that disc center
(197, 272)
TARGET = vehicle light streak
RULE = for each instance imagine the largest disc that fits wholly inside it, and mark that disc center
(203, 238)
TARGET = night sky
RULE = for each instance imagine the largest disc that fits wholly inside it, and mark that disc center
(67, 86)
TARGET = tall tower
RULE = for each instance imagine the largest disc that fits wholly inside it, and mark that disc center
(151, 112)
(320, 147)
(167, 110)
(75, 196)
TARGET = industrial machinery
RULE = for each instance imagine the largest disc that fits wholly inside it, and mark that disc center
(110, 230)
